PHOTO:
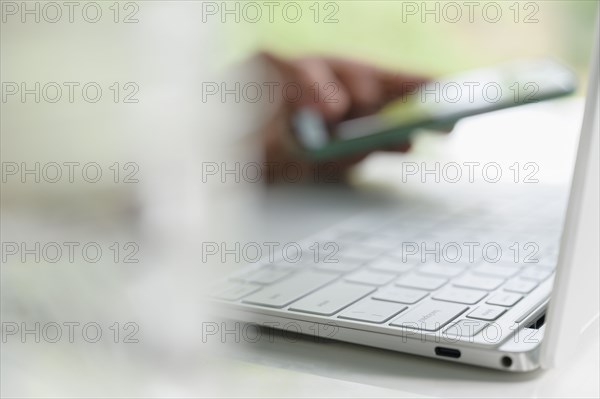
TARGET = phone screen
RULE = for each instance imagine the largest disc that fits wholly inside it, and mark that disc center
(465, 94)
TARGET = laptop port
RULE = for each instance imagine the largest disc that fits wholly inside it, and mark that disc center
(537, 324)
(447, 352)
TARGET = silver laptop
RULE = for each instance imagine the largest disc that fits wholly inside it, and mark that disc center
(513, 315)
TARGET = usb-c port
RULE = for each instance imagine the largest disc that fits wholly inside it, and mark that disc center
(447, 352)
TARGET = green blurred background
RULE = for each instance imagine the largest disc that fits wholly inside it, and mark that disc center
(385, 33)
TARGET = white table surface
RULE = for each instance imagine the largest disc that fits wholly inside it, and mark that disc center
(172, 361)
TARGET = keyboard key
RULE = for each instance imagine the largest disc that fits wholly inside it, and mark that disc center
(305, 261)
(520, 285)
(400, 294)
(332, 298)
(382, 242)
(267, 275)
(372, 311)
(389, 264)
(357, 252)
(342, 266)
(460, 295)
(238, 292)
(441, 270)
(466, 328)
(497, 270)
(537, 273)
(478, 282)
(350, 235)
(429, 315)
(370, 278)
(405, 256)
(290, 266)
(413, 280)
(504, 299)
(485, 312)
(287, 291)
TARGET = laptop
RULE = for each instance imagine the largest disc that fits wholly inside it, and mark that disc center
(512, 315)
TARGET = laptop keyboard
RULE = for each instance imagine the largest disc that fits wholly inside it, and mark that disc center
(376, 275)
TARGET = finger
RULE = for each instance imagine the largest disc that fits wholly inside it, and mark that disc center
(364, 88)
(371, 87)
(322, 90)
(310, 82)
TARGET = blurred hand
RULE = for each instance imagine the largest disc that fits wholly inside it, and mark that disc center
(338, 89)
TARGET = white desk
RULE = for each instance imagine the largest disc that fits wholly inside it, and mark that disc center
(170, 359)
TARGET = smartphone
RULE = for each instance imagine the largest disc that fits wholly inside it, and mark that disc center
(435, 105)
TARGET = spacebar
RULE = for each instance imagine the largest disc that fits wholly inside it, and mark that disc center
(282, 294)
(332, 298)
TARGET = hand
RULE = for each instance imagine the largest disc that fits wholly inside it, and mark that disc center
(338, 89)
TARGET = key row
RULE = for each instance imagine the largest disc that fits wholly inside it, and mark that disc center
(338, 294)
(527, 280)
